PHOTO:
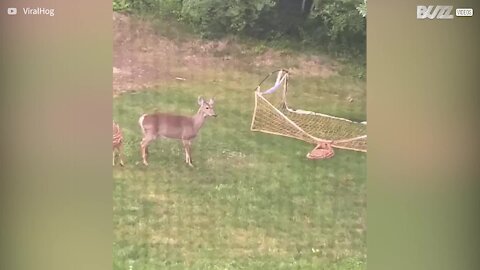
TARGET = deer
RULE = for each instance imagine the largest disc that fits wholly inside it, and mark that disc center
(178, 127)
(117, 143)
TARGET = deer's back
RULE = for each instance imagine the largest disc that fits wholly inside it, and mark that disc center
(168, 125)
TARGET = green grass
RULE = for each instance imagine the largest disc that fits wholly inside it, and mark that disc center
(253, 201)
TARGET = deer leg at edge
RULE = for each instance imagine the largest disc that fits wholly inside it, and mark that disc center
(187, 145)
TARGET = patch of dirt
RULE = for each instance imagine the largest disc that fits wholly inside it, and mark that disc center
(139, 56)
(301, 65)
(143, 59)
(254, 242)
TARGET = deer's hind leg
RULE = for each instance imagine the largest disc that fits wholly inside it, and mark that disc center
(144, 148)
(120, 155)
(117, 151)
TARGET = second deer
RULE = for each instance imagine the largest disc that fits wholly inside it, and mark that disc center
(184, 128)
(117, 143)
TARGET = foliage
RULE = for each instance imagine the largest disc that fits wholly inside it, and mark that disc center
(339, 25)
(151, 7)
(121, 5)
(362, 8)
(218, 17)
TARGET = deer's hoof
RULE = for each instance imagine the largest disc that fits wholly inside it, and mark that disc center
(145, 163)
(122, 164)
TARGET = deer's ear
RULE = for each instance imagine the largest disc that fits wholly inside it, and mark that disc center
(211, 102)
(200, 100)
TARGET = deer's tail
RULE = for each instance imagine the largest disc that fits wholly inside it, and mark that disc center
(140, 122)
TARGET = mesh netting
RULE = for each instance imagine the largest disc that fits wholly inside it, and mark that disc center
(272, 115)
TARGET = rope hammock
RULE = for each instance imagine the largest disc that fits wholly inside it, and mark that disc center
(272, 115)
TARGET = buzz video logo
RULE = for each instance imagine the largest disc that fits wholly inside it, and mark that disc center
(434, 12)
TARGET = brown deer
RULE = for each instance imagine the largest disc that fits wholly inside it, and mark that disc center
(117, 143)
(184, 128)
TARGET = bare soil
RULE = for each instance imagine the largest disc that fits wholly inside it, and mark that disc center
(142, 58)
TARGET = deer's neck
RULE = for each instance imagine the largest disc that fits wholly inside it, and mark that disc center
(198, 120)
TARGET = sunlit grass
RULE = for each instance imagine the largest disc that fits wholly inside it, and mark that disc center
(253, 201)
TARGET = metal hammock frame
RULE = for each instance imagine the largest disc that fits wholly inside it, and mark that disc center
(338, 132)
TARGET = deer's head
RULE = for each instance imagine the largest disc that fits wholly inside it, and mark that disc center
(206, 107)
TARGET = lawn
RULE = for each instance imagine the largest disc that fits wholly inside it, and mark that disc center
(252, 201)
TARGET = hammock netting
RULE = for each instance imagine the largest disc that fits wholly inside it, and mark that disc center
(272, 115)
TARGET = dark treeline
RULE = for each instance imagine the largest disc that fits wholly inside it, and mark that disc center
(339, 25)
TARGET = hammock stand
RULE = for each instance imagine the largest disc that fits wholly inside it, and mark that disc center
(272, 115)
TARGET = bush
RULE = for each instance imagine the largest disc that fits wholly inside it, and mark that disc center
(337, 24)
(341, 22)
(213, 18)
(121, 5)
(168, 8)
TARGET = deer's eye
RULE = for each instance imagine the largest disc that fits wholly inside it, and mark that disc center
(207, 108)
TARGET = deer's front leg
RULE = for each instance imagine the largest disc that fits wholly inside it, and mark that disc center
(187, 145)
